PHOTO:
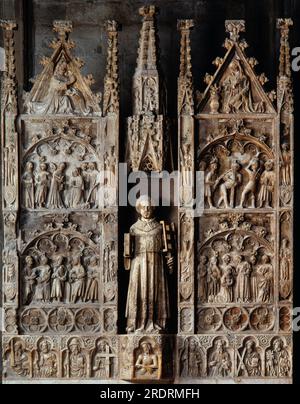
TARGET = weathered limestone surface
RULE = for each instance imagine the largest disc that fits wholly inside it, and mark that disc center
(231, 275)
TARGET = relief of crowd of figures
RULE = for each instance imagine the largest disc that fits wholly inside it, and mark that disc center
(60, 171)
(61, 237)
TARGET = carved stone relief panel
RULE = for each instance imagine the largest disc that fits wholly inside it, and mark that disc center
(60, 218)
(61, 357)
(147, 358)
(61, 255)
(244, 238)
(239, 356)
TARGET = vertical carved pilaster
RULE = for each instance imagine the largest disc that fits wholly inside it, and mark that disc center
(111, 108)
(187, 168)
(285, 93)
(286, 169)
(111, 80)
(10, 197)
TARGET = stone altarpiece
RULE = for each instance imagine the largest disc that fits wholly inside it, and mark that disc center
(61, 215)
(61, 238)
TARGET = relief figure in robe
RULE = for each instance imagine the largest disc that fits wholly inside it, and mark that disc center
(57, 185)
(43, 286)
(28, 186)
(42, 184)
(147, 309)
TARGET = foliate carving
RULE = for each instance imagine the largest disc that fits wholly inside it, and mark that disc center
(235, 319)
(10, 174)
(235, 87)
(285, 319)
(10, 321)
(33, 321)
(262, 319)
(286, 189)
(185, 81)
(234, 28)
(209, 320)
(148, 146)
(186, 316)
(61, 320)
(111, 80)
(9, 95)
(285, 92)
(9, 110)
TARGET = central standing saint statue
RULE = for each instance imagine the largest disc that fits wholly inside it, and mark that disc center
(147, 254)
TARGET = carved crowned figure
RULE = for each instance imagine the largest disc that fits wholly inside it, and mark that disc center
(147, 308)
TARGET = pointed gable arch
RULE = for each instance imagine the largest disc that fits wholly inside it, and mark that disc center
(60, 88)
(235, 87)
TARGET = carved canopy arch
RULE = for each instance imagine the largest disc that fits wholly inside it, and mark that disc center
(262, 148)
(247, 235)
(70, 236)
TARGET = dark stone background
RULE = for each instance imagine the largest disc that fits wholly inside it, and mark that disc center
(35, 21)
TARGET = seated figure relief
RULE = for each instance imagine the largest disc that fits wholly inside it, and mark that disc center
(63, 95)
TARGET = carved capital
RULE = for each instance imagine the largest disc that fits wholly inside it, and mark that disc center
(284, 23)
(148, 12)
(234, 28)
(185, 25)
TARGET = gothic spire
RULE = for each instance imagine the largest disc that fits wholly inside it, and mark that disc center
(185, 80)
(111, 80)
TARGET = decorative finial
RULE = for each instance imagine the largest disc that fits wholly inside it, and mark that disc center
(63, 28)
(112, 26)
(234, 28)
(148, 12)
(284, 23)
(8, 25)
(185, 25)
